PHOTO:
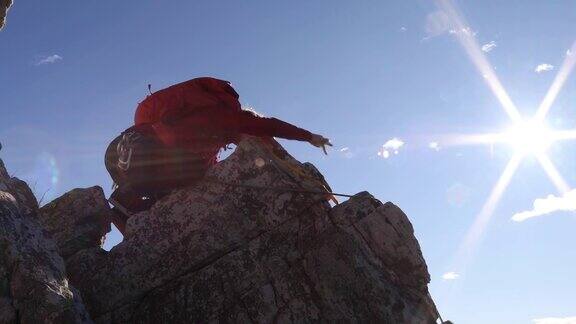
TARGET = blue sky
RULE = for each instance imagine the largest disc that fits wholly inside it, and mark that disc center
(361, 73)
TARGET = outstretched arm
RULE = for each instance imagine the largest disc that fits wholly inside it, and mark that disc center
(246, 122)
(252, 124)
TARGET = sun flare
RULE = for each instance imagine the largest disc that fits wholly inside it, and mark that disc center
(529, 137)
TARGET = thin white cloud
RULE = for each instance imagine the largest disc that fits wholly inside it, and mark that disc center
(555, 320)
(403, 29)
(50, 59)
(569, 52)
(392, 146)
(544, 67)
(434, 146)
(548, 205)
(346, 152)
(438, 23)
(466, 31)
(450, 275)
(488, 46)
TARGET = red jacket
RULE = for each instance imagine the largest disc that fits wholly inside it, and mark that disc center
(204, 115)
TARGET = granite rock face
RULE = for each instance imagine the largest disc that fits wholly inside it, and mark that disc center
(33, 283)
(78, 220)
(228, 250)
(23, 197)
(255, 241)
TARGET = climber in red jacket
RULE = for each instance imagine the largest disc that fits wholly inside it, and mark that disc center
(176, 137)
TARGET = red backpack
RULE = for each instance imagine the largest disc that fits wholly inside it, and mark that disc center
(184, 98)
(138, 159)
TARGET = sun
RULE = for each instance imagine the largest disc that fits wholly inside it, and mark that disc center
(529, 137)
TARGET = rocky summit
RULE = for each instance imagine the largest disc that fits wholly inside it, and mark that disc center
(255, 241)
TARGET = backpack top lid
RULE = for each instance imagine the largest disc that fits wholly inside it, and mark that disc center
(185, 97)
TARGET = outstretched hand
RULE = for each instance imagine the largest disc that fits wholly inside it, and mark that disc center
(320, 141)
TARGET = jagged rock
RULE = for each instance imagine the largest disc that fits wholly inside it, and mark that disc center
(255, 241)
(4, 6)
(77, 220)
(33, 284)
(228, 250)
(389, 234)
(25, 200)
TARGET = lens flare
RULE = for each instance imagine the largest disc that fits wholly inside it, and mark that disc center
(474, 234)
(563, 135)
(477, 57)
(529, 137)
(526, 137)
(553, 173)
(561, 77)
(44, 176)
